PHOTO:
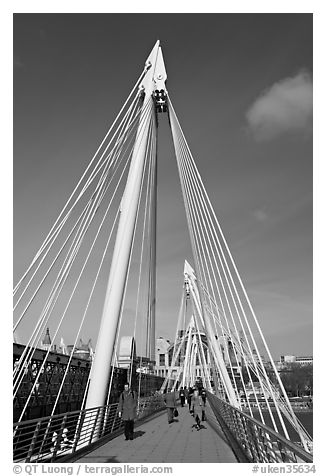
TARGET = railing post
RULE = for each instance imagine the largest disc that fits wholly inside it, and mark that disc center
(95, 421)
(106, 420)
(250, 444)
(59, 438)
(78, 431)
(32, 445)
(263, 445)
(45, 436)
(114, 419)
(282, 452)
(246, 440)
(255, 446)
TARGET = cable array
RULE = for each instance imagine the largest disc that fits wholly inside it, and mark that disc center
(223, 296)
(67, 271)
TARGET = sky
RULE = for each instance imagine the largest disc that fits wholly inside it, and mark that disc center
(241, 85)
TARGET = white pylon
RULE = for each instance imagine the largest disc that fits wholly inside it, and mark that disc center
(185, 377)
(154, 79)
(202, 359)
(217, 357)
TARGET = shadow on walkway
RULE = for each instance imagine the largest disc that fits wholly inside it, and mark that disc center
(157, 441)
(111, 460)
(139, 434)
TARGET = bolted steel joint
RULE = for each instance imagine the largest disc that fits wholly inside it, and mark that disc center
(160, 98)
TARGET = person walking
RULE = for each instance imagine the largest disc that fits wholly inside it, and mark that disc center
(170, 403)
(127, 408)
(203, 397)
(190, 393)
(196, 407)
(182, 395)
(186, 395)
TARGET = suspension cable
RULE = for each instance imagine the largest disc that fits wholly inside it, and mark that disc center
(84, 174)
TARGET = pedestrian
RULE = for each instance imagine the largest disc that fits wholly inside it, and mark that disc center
(127, 410)
(186, 395)
(182, 396)
(203, 397)
(190, 393)
(170, 403)
(196, 407)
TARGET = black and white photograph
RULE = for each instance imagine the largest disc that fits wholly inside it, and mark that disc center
(162, 240)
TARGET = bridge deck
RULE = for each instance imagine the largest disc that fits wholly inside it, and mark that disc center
(156, 441)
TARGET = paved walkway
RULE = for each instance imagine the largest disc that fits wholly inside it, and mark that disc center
(156, 441)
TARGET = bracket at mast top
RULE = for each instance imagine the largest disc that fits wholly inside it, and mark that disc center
(155, 77)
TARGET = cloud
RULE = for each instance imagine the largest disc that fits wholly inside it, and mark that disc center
(260, 215)
(285, 107)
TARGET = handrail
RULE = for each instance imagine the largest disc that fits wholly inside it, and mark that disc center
(258, 442)
(75, 412)
(53, 437)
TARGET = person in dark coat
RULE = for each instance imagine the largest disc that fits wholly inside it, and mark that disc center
(186, 393)
(190, 393)
(170, 403)
(182, 395)
(127, 409)
(203, 396)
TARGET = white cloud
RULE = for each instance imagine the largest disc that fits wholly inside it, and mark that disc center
(286, 106)
(260, 215)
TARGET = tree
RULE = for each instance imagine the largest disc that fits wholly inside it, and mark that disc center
(297, 379)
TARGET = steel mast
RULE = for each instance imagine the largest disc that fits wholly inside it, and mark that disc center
(214, 347)
(153, 85)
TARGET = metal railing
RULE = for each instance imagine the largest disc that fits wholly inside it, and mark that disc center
(51, 438)
(257, 442)
(60, 436)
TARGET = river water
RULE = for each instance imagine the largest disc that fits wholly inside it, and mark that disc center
(305, 417)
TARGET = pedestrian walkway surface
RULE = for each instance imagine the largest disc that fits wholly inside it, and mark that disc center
(157, 441)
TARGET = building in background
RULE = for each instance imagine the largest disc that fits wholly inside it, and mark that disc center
(82, 350)
(46, 343)
(304, 360)
(165, 350)
(287, 360)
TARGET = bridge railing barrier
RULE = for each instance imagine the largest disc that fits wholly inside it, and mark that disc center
(252, 439)
(51, 438)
